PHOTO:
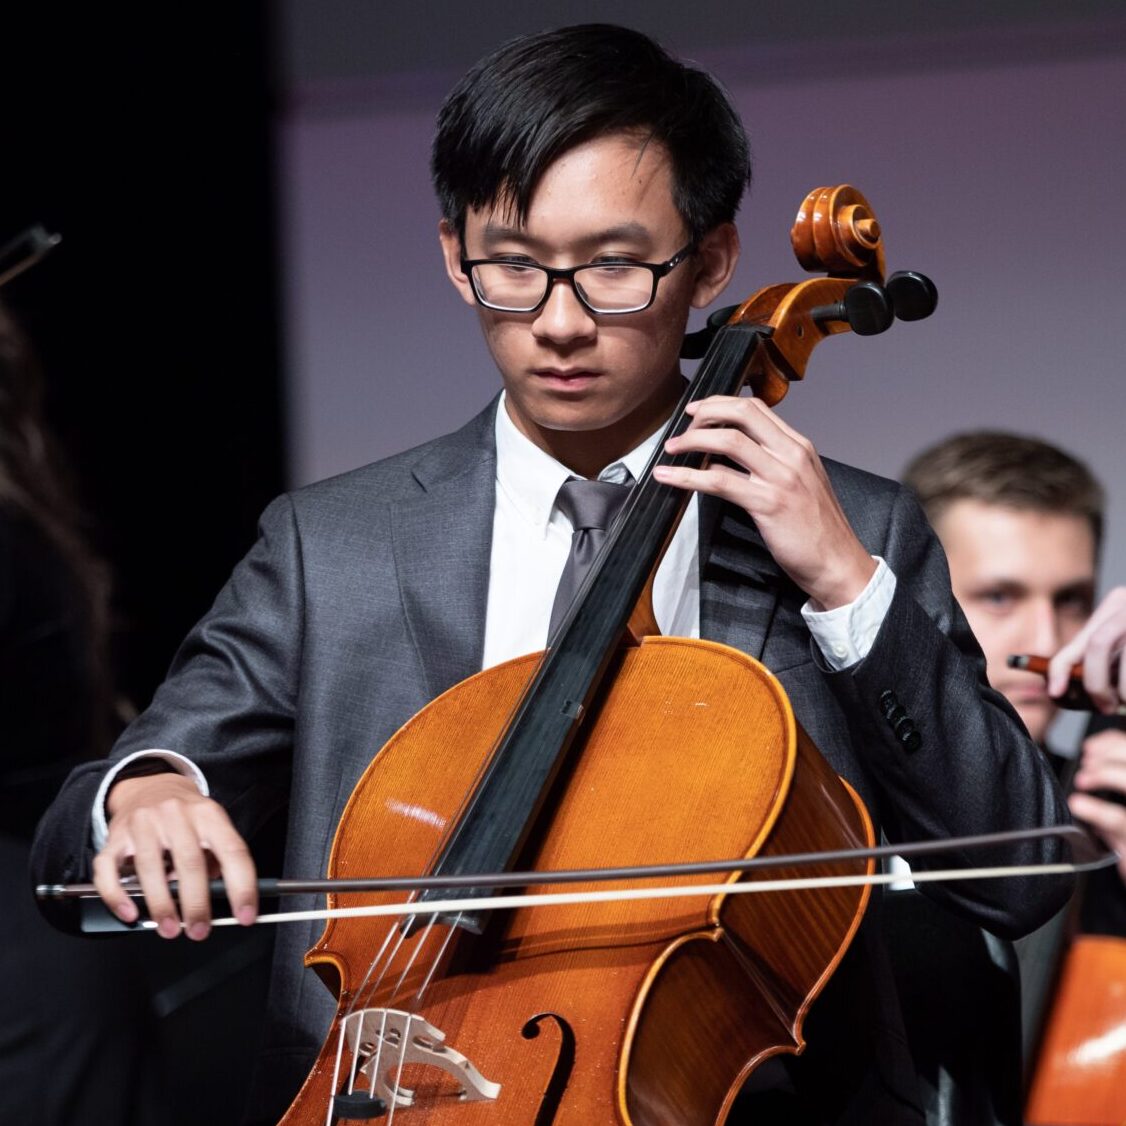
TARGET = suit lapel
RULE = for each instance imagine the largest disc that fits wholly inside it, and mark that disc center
(739, 580)
(442, 543)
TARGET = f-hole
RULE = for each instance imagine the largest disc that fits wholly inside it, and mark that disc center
(564, 1065)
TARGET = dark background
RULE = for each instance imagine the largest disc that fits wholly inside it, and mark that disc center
(143, 136)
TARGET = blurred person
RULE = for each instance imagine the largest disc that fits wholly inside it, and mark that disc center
(73, 1014)
(1021, 522)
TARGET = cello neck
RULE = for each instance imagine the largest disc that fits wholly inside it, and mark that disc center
(497, 817)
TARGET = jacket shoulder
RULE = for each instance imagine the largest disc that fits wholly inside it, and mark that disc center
(403, 475)
(872, 503)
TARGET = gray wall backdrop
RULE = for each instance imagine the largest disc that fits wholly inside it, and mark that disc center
(991, 151)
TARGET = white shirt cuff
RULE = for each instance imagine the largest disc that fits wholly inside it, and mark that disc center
(182, 765)
(846, 634)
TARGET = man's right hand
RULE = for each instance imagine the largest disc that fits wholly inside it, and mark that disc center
(164, 828)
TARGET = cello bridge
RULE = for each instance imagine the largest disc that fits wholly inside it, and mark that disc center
(387, 1041)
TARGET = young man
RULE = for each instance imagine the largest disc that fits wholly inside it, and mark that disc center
(1021, 522)
(588, 185)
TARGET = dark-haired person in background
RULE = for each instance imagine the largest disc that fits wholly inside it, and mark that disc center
(588, 185)
(73, 1015)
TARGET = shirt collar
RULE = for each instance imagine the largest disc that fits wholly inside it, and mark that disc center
(531, 477)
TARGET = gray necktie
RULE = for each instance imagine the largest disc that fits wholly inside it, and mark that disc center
(591, 507)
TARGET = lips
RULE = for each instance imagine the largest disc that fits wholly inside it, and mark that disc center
(1025, 696)
(566, 379)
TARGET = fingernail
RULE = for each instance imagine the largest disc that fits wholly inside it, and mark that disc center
(246, 915)
(197, 932)
(168, 927)
(127, 912)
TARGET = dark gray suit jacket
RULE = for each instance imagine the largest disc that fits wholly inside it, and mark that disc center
(364, 598)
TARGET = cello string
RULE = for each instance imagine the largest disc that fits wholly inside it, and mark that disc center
(353, 1005)
(356, 1010)
(437, 960)
(336, 1068)
(376, 1069)
(497, 903)
(356, 1018)
(414, 957)
(404, 1035)
(399, 1072)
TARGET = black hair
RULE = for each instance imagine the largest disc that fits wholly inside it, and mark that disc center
(35, 487)
(535, 98)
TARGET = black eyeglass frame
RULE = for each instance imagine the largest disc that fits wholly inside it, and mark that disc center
(567, 274)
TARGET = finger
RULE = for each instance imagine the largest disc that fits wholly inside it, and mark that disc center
(107, 879)
(186, 846)
(728, 442)
(716, 480)
(1106, 818)
(1097, 658)
(1105, 745)
(1098, 644)
(151, 868)
(1105, 774)
(752, 416)
(1060, 666)
(236, 865)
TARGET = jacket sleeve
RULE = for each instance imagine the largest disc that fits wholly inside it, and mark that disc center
(949, 755)
(228, 704)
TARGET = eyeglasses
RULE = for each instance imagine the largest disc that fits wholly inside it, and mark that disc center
(520, 286)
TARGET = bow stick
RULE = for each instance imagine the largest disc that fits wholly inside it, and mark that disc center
(271, 888)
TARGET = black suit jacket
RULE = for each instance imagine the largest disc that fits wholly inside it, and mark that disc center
(364, 598)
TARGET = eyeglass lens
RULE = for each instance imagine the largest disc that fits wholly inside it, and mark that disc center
(606, 289)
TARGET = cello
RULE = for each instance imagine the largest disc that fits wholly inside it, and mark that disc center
(640, 1012)
(1079, 1072)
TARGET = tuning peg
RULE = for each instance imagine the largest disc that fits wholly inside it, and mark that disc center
(913, 296)
(865, 307)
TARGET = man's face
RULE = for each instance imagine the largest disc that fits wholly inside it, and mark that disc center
(572, 376)
(1026, 582)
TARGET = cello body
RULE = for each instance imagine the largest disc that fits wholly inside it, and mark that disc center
(1080, 1075)
(637, 1013)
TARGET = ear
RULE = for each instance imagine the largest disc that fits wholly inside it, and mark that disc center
(451, 254)
(715, 260)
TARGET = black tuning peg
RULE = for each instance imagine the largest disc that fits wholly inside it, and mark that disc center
(866, 307)
(913, 296)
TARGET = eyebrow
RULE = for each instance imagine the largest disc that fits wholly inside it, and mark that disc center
(628, 231)
(1084, 588)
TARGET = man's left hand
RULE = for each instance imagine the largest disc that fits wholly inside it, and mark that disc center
(775, 474)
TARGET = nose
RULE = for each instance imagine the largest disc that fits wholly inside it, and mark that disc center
(1044, 633)
(563, 319)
